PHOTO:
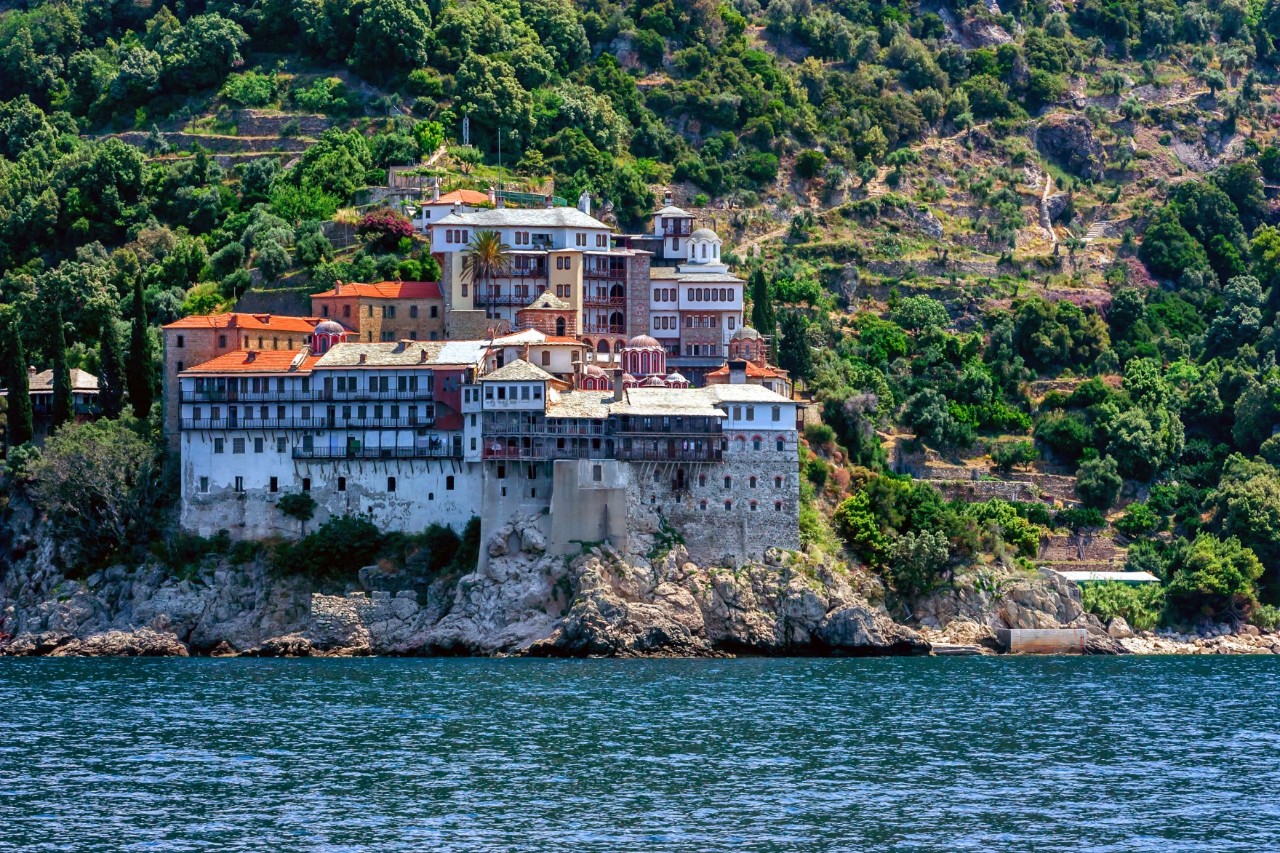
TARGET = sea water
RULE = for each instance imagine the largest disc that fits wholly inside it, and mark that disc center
(990, 754)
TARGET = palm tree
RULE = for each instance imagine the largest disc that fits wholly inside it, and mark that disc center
(487, 258)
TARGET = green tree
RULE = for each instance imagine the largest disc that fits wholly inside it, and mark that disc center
(487, 258)
(141, 371)
(99, 483)
(1098, 483)
(21, 421)
(298, 505)
(111, 380)
(199, 53)
(794, 354)
(1168, 249)
(1215, 578)
(920, 313)
(762, 315)
(63, 407)
(393, 36)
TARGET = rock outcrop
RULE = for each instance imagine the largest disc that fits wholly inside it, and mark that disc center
(1069, 140)
(523, 601)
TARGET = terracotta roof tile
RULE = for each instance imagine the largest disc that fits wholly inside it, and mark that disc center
(246, 321)
(385, 290)
(753, 371)
(257, 361)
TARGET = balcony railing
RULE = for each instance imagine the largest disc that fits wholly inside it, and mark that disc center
(679, 454)
(610, 273)
(519, 300)
(318, 395)
(604, 329)
(679, 228)
(441, 451)
(540, 453)
(604, 301)
(308, 423)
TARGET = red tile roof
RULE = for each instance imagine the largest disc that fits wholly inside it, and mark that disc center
(252, 322)
(462, 197)
(385, 290)
(256, 361)
(754, 371)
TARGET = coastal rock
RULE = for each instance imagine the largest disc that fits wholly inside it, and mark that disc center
(143, 642)
(1119, 629)
(858, 630)
(288, 646)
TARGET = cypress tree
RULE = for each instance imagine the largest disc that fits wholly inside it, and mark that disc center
(139, 372)
(111, 383)
(21, 422)
(62, 402)
(794, 354)
(762, 316)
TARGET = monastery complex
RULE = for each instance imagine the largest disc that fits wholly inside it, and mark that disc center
(605, 384)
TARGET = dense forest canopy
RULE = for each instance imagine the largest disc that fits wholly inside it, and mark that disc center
(848, 124)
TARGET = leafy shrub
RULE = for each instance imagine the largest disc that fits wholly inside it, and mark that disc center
(820, 435)
(1216, 578)
(335, 551)
(1079, 518)
(1007, 454)
(1138, 521)
(1138, 604)
(1098, 483)
(250, 89)
(1266, 616)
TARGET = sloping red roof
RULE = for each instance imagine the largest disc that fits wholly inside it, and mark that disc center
(256, 361)
(754, 371)
(462, 197)
(252, 322)
(385, 290)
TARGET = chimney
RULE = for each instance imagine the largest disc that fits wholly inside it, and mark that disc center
(435, 190)
(549, 204)
(584, 202)
(666, 198)
(422, 356)
(493, 196)
(251, 357)
(31, 375)
(738, 372)
(337, 287)
(364, 357)
(617, 384)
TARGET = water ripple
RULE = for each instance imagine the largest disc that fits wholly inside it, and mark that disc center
(1081, 754)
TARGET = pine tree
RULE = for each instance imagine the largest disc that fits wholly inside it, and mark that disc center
(21, 421)
(139, 375)
(62, 401)
(111, 383)
(762, 316)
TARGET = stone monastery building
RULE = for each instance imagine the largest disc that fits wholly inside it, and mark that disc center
(542, 394)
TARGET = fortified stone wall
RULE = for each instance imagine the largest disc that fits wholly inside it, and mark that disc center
(422, 497)
(719, 515)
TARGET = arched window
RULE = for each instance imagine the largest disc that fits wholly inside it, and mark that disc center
(754, 506)
(752, 481)
(756, 443)
(603, 348)
(728, 482)
(728, 506)
(781, 444)
(702, 481)
(560, 326)
(777, 482)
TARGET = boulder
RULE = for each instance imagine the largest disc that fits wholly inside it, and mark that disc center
(1119, 629)
(859, 630)
(1069, 140)
(1055, 205)
(288, 646)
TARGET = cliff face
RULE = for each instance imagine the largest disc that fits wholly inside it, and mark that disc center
(523, 602)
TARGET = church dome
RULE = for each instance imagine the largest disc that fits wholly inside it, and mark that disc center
(643, 342)
(746, 333)
(593, 370)
(705, 234)
(653, 382)
(675, 378)
(329, 327)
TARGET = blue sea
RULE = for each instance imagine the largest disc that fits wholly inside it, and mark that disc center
(982, 754)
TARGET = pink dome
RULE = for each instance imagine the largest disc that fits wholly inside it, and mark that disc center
(643, 342)
(653, 382)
